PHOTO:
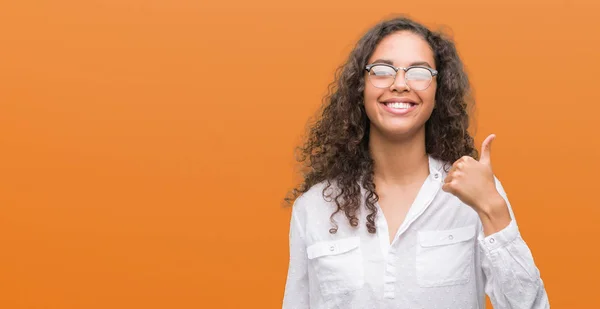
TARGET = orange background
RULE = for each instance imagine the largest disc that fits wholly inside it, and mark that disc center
(145, 146)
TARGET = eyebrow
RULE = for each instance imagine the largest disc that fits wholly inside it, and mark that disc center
(417, 63)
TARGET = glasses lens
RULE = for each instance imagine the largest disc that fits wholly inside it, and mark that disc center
(418, 78)
(382, 76)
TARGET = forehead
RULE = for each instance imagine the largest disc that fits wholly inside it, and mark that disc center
(403, 48)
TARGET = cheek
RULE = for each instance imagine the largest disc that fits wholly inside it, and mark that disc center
(371, 106)
(370, 92)
(428, 96)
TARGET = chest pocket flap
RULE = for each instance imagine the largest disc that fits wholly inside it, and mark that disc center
(446, 237)
(332, 247)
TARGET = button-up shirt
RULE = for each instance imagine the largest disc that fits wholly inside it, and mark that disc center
(439, 257)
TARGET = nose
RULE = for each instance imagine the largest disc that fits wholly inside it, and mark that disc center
(399, 84)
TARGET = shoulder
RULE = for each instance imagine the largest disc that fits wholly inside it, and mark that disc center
(315, 207)
(316, 199)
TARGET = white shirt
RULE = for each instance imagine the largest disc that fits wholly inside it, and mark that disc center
(439, 257)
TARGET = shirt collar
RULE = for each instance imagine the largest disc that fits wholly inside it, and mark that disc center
(436, 168)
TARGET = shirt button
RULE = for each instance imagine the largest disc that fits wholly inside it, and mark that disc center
(450, 237)
(436, 176)
(331, 248)
(492, 240)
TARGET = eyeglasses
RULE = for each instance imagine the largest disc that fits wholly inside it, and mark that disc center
(383, 75)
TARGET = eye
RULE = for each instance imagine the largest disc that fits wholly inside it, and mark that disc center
(381, 70)
(418, 74)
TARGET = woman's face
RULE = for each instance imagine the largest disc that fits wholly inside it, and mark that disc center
(387, 108)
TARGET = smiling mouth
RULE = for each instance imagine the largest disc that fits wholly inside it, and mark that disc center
(399, 105)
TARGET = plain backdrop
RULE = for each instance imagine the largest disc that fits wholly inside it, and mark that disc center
(146, 146)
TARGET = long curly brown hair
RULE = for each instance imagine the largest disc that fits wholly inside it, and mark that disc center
(336, 149)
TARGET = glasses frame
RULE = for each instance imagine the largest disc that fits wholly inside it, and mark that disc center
(433, 72)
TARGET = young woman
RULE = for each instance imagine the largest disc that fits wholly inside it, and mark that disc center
(397, 209)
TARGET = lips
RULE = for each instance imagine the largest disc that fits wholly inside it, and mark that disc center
(398, 100)
(399, 106)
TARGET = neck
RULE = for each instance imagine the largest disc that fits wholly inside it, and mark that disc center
(398, 162)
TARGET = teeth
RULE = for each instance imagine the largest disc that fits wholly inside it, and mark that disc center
(399, 105)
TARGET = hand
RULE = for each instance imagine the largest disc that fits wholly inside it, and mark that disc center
(473, 182)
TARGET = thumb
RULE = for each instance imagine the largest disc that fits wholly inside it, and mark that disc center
(486, 148)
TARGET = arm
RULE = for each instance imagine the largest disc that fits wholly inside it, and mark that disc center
(511, 278)
(296, 294)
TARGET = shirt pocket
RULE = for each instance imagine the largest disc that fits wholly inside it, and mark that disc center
(445, 257)
(338, 265)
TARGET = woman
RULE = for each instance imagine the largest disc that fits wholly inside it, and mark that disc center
(397, 210)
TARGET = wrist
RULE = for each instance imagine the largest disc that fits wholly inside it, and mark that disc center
(492, 207)
(494, 214)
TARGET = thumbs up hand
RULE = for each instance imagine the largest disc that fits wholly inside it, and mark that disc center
(473, 182)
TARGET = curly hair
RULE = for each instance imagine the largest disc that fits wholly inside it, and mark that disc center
(336, 148)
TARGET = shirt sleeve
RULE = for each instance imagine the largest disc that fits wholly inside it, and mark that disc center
(512, 280)
(296, 295)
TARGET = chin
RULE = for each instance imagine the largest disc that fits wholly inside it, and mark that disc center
(398, 131)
